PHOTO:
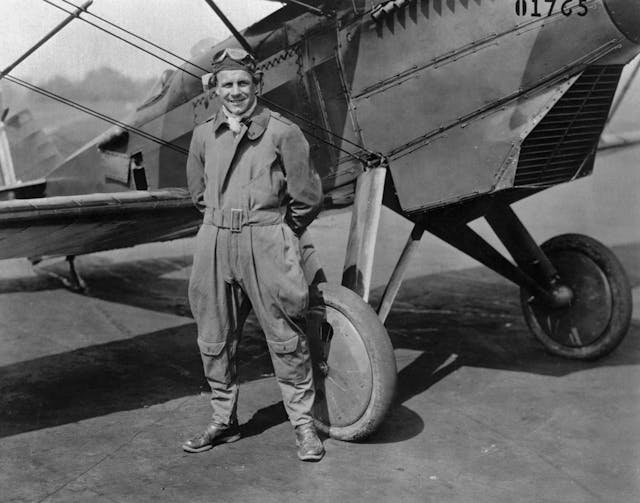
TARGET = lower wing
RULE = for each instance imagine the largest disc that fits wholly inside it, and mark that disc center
(74, 225)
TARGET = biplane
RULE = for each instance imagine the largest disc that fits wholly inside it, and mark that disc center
(444, 111)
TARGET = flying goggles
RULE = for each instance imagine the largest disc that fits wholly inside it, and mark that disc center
(231, 58)
(235, 54)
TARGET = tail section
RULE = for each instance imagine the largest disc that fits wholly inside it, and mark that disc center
(33, 152)
(27, 154)
(7, 170)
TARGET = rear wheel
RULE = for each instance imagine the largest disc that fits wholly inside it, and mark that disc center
(353, 361)
(599, 315)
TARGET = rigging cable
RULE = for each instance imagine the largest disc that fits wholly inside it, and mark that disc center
(371, 155)
(94, 113)
(128, 32)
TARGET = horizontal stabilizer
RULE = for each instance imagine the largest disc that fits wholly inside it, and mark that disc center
(23, 190)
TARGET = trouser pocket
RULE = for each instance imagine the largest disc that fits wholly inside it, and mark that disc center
(290, 359)
(215, 361)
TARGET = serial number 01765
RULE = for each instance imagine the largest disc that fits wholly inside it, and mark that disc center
(537, 8)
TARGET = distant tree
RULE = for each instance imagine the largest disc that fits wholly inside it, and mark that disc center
(12, 94)
(102, 84)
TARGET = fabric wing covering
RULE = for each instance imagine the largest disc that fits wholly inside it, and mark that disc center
(74, 225)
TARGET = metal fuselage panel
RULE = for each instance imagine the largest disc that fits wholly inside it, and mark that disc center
(451, 116)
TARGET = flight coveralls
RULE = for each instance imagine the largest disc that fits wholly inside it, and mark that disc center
(257, 191)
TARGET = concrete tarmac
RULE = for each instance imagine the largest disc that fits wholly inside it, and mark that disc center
(98, 391)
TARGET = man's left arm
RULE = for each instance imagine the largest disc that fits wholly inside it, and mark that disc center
(303, 182)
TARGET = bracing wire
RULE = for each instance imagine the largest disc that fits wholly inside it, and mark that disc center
(263, 99)
(94, 113)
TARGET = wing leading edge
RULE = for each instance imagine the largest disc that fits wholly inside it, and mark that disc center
(74, 225)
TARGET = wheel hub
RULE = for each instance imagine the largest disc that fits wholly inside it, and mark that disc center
(587, 318)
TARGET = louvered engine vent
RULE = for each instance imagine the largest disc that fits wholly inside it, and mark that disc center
(557, 147)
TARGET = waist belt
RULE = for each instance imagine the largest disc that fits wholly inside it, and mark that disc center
(236, 219)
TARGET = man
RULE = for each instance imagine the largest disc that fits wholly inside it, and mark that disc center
(248, 170)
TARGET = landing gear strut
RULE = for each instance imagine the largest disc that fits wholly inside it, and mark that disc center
(73, 282)
(575, 295)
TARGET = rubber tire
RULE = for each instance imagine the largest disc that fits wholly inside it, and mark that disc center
(379, 351)
(621, 299)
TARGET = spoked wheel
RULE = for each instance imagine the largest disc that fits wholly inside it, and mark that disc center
(354, 365)
(598, 318)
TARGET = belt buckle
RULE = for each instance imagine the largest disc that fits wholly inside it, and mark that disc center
(236, 220)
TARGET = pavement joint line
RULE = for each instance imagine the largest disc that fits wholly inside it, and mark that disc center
(522, 446)
(98, 493)
(118, 326)
(108, 455)
(57, 490)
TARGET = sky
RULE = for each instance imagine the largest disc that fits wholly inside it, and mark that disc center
(176, 25)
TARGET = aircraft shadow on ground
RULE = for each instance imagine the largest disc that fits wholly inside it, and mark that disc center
(452, 319)
(473, 318)
(139, 283)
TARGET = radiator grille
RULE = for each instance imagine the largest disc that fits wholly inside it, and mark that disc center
(556, 148)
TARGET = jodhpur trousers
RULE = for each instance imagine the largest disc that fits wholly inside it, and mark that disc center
(232, 272)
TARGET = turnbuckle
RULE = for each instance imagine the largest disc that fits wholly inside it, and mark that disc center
(375, 160)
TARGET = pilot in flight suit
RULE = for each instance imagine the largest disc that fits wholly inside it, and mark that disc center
(248, 170)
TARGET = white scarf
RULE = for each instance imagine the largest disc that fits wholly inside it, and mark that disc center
(235, 121)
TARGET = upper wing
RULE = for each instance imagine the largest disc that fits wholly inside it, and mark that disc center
(73, 225)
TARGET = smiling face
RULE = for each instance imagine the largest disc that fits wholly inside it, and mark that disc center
(236, 90)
